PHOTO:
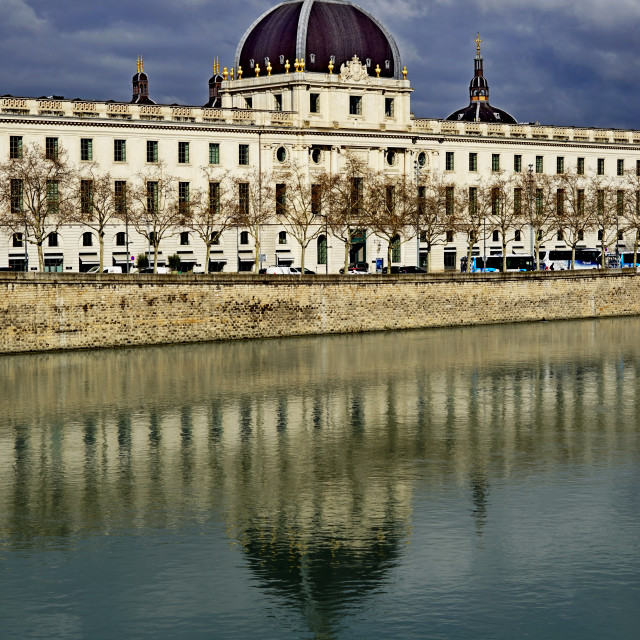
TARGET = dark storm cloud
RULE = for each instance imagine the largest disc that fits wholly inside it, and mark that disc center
(571, 63)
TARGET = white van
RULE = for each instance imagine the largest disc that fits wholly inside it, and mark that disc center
(283, 271)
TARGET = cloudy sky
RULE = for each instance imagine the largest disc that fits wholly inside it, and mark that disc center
(575, 62)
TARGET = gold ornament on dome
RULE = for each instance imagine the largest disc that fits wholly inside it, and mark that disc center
(225, 73)
(257, 70)
(269, 68)
(378, 70)
(478, 41)
(231, 74)
(296, 65)
(287, 66)
(404, 73)
(330, 66)
(239, 72)
(301, 65)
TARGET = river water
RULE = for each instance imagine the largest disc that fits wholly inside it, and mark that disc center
(466, 483)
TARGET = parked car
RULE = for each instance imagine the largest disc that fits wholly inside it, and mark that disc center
(158, 270)
(357, 268)
(306, 271)
(279, 270)
(96, 269)
(407, 269)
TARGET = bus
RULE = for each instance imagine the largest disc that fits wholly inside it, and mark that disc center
(560, 259)
(626, 259)
(515, 262)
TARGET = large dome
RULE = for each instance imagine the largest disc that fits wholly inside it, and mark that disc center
(315, 30)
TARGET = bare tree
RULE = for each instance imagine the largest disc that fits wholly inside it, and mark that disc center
(213, 212)
(506, 209)
(301, 207)
(345, 195)
(473, 216)
(36, 194)
(631, 208)
(440, 208)
(161, 205)
(391, 210)
(573, 217)
(603, 208)
(96, 203)
(540, 192)
(255, 205)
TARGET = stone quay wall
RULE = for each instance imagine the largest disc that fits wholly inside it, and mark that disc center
(53, 311)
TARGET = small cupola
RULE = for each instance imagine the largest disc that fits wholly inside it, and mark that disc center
(141, 85)
(215, 83)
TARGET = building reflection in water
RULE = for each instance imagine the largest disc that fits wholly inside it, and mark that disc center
(309, 451)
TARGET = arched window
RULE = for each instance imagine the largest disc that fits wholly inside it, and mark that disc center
(244, 237)
(395, 249)
(322, 249)
(282, 237)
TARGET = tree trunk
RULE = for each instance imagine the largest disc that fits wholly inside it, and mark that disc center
(101, 241)
(346, 257)
(40, 258)
(301, 259)
(256, 264)
(389, 255)
(573, 258)
(537, 250)
(155, 258)
(504, 255)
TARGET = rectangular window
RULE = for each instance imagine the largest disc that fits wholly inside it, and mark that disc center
(422, 194)
(357, 193)
(620, 203)
(314, 103)
(559, 164)
(355, 105)
(495, 201)
(16, 195)
(51, 148)
(243, 154)
(517, 235)
(243, 198)
(540, 201)
(473, 201)
(119, 150)
(183, 152)
(120, 197)
(152, 151)
(600, 202)
(473, 162)
(15, 147)
(52, 197)
(86, 196)
(316, 200)
(638, 167)
(121, 239)
(183, 197)
(600, 166)
(87, 239)
(495, 162)
(277, 101)
(449, 201)
(450, 261)
(449, 164)
(214, 153)
(152, 197)
(390, 199)
(580, 167)
(249, 103)
(539, 164)
(52, 239)
(214, 198)
(389, 108)
(17, 240)
(581, 201)
(281, 199)
(184, 238)
(517, 163)
(86, 149)
(517, 201)
(620, 167)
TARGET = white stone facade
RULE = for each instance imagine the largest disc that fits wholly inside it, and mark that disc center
(309, 115)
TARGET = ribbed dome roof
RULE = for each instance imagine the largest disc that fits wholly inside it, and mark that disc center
(315, 30)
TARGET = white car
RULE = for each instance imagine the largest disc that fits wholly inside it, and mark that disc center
(96, 269)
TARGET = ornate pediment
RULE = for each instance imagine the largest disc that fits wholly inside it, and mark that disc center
(354, 71)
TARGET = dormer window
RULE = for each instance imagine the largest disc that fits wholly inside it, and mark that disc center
(312, 58)
(368, 62)
(281, 59)
(387, 64)
(252, 63)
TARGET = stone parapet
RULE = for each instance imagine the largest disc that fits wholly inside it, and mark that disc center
(43, 312)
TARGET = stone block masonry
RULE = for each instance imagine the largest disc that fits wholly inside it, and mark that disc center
(53, 311)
